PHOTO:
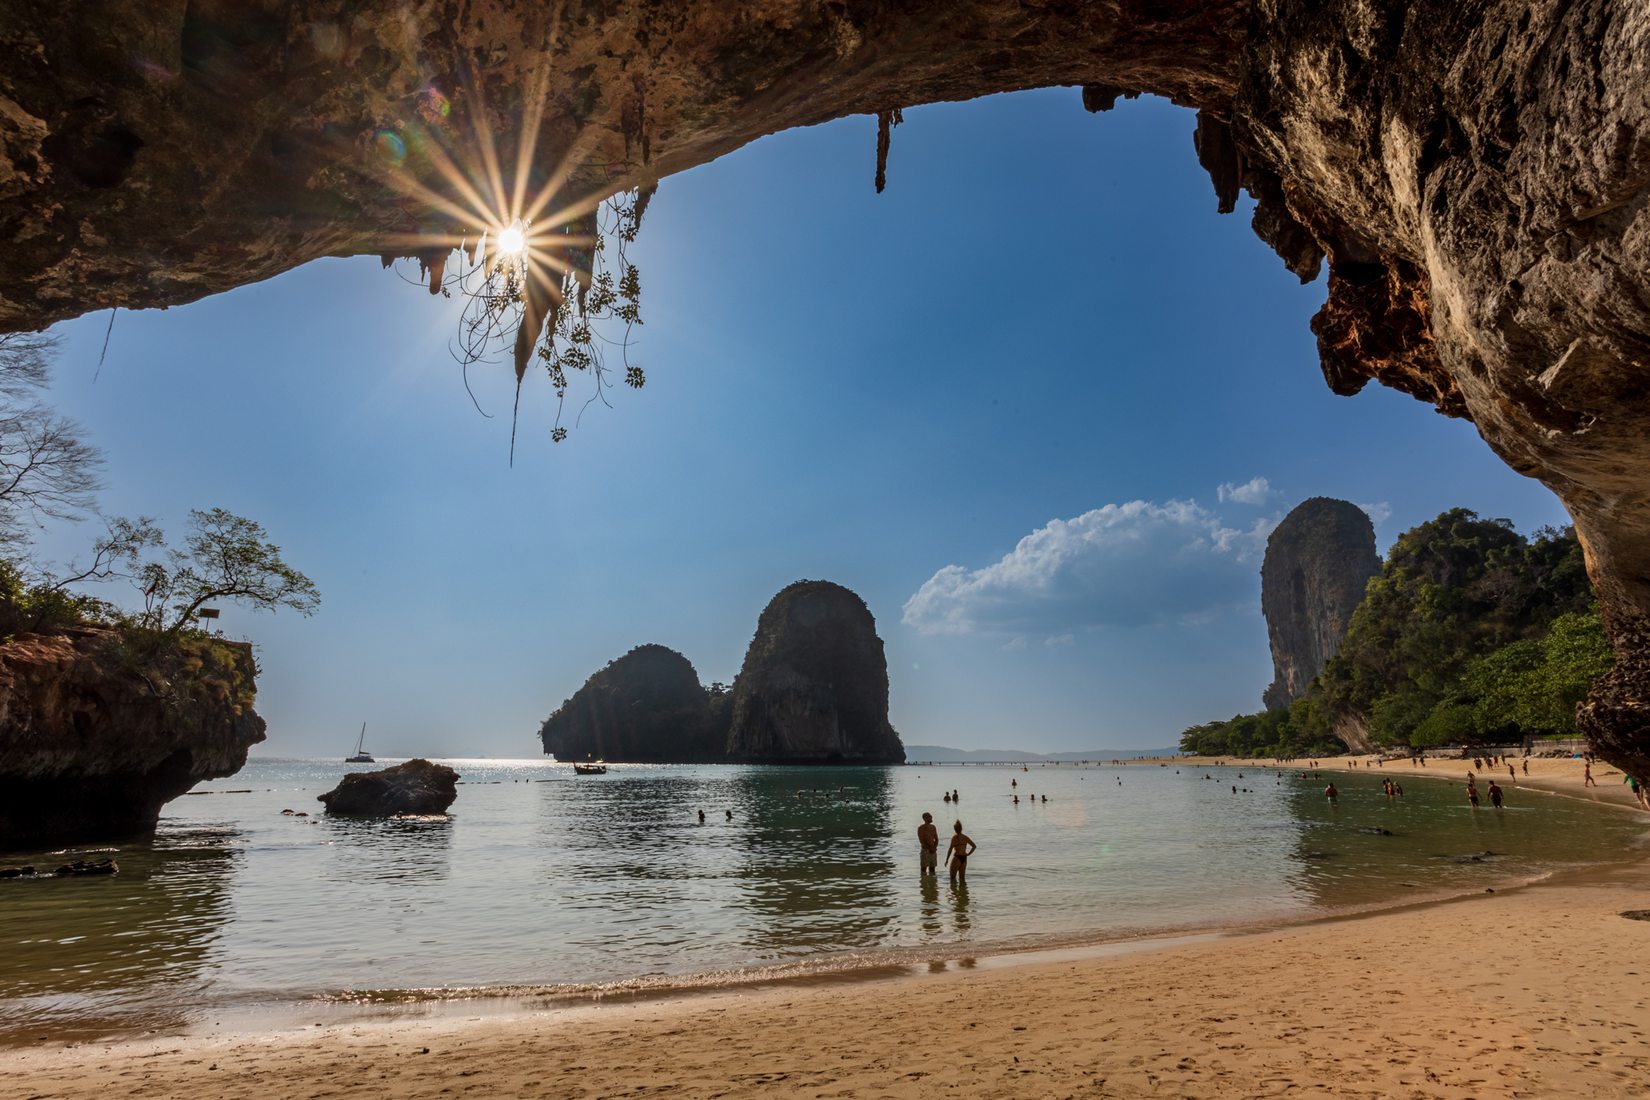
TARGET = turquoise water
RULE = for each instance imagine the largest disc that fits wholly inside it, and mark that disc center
(542, 879)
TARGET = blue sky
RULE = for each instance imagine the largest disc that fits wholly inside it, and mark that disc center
(1000, 401)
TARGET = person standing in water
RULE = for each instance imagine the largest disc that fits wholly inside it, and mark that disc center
(1331, 793)
(956, 857)
(929, 837)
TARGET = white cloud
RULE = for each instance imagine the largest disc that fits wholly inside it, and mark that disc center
(1058, 640)
(1378, 512)
(1257, 491)
(1120, 565)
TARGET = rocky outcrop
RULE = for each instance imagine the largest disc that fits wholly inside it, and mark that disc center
(416, 787)
(645, 706)
(1476, 178)
(813, 690)
(814, 685)
(95, 739)
(1317, 563)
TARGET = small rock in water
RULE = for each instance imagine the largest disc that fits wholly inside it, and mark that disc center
(416, 787)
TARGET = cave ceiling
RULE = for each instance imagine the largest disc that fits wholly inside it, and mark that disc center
(1473, 176)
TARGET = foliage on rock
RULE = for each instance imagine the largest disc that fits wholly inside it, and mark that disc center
(1470, 634)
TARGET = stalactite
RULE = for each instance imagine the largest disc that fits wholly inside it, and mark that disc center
(644, 195)
(538, 304)
(886, 121)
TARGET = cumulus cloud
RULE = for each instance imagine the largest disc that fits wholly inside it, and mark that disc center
(1117, 566)
(1257, 491)
(1378, 512)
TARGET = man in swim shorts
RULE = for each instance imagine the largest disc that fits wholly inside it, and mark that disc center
(929, 837)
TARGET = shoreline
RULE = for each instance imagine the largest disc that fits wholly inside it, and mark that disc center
(1447, 998)
(1551, 775)
(1199, 974)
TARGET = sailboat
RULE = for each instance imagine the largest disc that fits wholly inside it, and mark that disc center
(362, 756)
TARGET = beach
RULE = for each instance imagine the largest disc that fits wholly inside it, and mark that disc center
(1539, 992)
(1563, 775)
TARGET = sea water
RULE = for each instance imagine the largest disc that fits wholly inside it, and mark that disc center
(546, 882)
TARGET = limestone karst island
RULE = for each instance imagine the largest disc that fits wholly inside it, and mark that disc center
(1213, 437)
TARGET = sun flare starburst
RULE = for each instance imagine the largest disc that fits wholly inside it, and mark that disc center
(512, 240)
(542, 241)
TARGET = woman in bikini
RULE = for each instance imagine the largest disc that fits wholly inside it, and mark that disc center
(956, 857)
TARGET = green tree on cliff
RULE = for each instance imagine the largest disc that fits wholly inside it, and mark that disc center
(1469, 633)
(224, 557)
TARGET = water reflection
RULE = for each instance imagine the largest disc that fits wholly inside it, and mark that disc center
(960, 922)
(929, 920)
(81, 953)
(1369, 847)
(819, 864)
(389, 849)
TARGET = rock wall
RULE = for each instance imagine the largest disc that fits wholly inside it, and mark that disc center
(93, 743)
(1317, 563)
(814, 685)
(646, 706)
(1475, 174)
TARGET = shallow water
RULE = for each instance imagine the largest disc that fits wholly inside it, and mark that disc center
(544, 879)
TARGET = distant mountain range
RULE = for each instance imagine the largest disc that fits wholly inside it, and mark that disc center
(939, 754)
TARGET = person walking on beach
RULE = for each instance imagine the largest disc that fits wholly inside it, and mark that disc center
(929, 837)
(1526, 763)
(1587, 774)
(956, 857)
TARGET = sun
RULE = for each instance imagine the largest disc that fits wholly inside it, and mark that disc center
(512, 240)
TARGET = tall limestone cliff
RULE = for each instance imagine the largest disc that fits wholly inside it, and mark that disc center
(1317, 563)
(646, 706)
(94, 740)
(813, 690)
(814, 685)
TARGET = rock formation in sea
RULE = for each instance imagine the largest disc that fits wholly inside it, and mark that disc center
(94, 740)
(813, 690)
(416, 787)
(1475, 180)
(645, 706)
(1317, 563)
(814, 685)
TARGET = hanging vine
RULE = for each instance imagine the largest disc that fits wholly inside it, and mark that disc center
(566, 299)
